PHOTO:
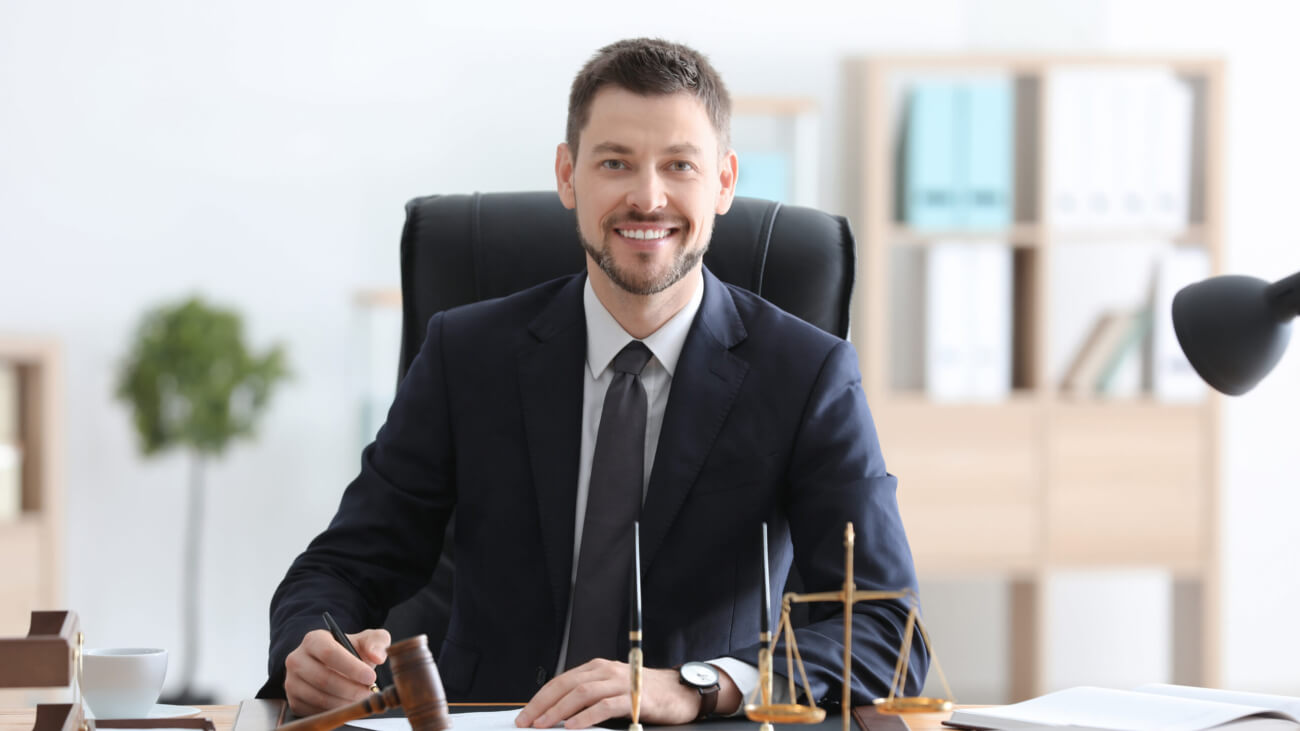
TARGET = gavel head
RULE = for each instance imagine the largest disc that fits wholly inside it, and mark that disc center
(419, 688)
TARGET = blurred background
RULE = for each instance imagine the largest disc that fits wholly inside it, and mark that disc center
(259, 154)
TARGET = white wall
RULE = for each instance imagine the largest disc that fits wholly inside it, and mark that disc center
(1261, 465)
(260, 152)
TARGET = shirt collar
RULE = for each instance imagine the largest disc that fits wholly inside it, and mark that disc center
(605, 337)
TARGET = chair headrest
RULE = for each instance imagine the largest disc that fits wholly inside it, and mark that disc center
(458, 249)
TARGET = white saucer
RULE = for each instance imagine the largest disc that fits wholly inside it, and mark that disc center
(160, 710)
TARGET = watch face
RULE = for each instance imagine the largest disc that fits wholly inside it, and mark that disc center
(699, 674)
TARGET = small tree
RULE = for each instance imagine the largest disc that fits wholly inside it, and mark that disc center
(191, 383)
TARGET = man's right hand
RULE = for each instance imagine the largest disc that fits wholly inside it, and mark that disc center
(321, 674)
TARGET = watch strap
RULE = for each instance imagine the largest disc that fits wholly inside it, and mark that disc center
(708, 693)
(708, 700)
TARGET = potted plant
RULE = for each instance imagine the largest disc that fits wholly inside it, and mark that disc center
(193, 384)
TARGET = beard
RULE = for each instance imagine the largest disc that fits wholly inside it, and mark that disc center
(649, 282)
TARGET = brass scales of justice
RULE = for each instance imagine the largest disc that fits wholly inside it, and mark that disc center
(759, 706)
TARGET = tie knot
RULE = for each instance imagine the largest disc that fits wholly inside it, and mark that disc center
(632, 358)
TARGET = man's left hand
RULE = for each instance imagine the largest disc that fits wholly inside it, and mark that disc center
(599, 690)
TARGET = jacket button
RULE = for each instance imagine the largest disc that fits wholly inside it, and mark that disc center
(541, 676)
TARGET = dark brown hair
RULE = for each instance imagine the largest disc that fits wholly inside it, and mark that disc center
(649, 66)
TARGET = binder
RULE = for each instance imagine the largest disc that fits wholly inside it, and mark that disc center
(930, 154)
(1067, 149)
(968, 321)
(947, 322)
(1170, 124)
(989, 339)
(986, 160)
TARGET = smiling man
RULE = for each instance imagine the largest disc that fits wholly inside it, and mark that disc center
(643, 389)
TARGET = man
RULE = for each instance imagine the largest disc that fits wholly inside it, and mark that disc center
(512, 414)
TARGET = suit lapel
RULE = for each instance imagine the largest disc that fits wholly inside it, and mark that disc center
(705, 384)
(550, 380)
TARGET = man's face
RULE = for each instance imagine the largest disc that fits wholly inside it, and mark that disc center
(647, 182)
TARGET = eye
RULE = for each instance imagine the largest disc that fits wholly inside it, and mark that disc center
(613, 165)
(681, 166)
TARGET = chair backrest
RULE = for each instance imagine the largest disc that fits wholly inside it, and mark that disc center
(458, 249)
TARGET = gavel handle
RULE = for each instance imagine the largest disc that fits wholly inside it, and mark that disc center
(376, 703)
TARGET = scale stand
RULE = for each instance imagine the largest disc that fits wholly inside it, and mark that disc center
(768, 713)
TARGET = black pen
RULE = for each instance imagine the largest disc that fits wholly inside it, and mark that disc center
(342, 639)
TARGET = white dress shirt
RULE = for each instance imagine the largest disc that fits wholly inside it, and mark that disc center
(605, 338)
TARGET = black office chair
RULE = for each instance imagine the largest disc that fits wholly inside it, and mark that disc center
(459, 249)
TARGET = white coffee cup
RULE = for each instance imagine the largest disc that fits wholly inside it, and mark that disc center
(122, 682)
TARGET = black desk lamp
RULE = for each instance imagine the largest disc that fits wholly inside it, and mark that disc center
(1234, 329)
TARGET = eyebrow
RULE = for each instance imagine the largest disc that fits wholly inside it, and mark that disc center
(614, 148)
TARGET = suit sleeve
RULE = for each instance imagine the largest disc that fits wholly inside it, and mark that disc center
(837, 473)
(383, 543)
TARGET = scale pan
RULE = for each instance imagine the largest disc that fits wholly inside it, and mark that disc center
(785, 713)
(913, 704)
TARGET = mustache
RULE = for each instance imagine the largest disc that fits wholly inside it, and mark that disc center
(656, 218)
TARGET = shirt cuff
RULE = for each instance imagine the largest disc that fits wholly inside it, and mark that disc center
(745, 676)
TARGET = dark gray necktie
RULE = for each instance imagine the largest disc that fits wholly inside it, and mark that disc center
(613, 503)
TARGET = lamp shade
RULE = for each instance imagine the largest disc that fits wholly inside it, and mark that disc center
(1234, 329)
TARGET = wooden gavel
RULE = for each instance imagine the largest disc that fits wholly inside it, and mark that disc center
(416, 688)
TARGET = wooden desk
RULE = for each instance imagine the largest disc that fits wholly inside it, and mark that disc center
(21, 719)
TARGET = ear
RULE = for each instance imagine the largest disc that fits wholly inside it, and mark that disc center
(564, 176)
(728, 170)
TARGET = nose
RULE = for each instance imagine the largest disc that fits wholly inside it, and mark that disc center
(647, 193)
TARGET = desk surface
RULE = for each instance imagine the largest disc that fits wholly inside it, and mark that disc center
(21, 719)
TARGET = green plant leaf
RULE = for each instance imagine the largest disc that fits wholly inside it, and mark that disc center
(191, 381)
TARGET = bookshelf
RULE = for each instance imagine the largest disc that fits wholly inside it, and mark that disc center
(31, 521)
(1035, 479)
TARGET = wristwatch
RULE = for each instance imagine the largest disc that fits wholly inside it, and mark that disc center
(703, 677)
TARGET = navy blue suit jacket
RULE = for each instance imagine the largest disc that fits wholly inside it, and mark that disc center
(766, 421)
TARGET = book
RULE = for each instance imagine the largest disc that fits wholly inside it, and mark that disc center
(1111, 334)
(1155, 706)
(1121, 374)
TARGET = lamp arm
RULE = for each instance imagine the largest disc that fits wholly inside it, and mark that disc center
(1283, 297)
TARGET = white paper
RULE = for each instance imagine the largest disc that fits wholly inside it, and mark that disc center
(1285, 704)
(1102, 708)
(475, 721)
